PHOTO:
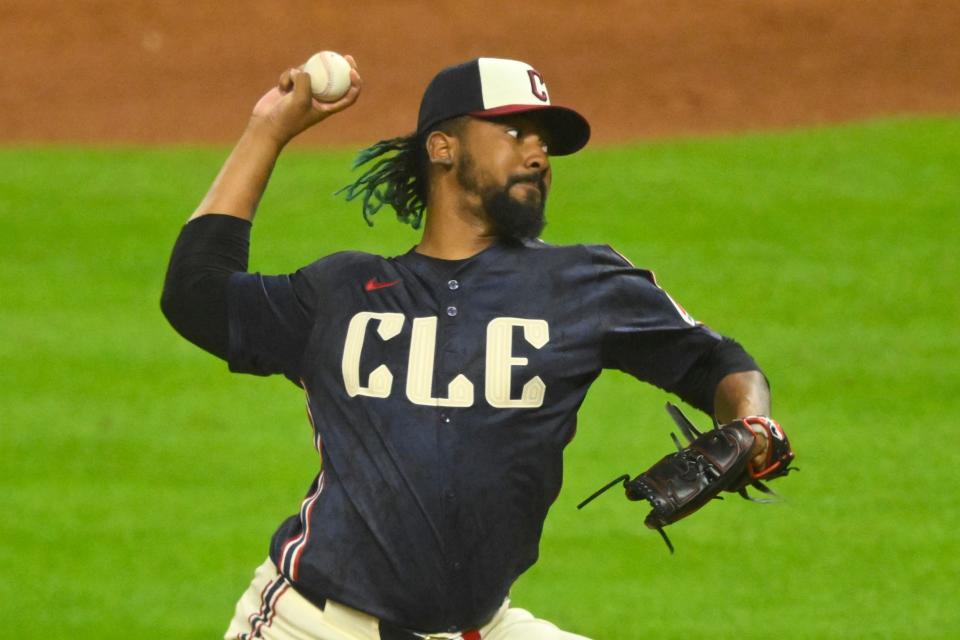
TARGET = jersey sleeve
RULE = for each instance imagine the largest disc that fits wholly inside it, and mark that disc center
(650, 336)
(270, 318)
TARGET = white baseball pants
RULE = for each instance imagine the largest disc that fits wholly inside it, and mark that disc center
(272, 610)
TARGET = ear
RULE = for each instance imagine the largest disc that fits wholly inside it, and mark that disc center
(441, 148)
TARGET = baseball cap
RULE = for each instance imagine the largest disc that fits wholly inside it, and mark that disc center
(490, 87)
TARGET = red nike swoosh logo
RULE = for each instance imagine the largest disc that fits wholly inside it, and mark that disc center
(372, 284)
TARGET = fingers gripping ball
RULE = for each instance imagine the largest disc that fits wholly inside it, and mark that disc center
(329, 75)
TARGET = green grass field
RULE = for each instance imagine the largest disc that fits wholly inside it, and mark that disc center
(141, 482)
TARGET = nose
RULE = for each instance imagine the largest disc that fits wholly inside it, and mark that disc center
(535, 153)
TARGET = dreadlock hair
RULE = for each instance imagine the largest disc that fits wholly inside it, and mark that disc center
(399, 175)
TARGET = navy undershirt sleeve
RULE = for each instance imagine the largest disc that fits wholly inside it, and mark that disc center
(207, 252)
(699, 362)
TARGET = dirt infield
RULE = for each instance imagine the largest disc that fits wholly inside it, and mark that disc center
(170, 71)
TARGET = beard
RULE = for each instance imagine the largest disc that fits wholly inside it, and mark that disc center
(513, 220)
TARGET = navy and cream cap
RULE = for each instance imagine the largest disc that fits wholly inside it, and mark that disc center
(490, 87)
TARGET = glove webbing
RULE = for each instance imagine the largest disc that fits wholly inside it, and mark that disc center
(625, 481)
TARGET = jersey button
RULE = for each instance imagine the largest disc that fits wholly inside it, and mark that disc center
(451, 311)
(449, 495)
(445, 419)
(456, 566)
(453, 285)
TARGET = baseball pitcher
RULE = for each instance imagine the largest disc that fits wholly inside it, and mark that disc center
(443, 384)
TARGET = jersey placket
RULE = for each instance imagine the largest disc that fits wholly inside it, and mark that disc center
(449, 361)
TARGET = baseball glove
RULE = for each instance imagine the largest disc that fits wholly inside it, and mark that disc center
(718, 460)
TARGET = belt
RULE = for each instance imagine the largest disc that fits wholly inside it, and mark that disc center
(392, 632)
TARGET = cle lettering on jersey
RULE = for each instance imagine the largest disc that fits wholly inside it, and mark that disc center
(500, 362)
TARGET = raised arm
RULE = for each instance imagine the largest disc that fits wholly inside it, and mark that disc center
(279, 116)
(211, 248)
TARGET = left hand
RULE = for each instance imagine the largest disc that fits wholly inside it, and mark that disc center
(761, 447)
(771, 453)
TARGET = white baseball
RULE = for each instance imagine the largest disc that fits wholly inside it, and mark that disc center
(329, 75)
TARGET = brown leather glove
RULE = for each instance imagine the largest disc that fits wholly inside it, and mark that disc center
(718, 460)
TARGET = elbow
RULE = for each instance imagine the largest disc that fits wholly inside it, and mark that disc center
(194, 298)
(166, 303)
(190, 294)
(197, 310)
(173, 307)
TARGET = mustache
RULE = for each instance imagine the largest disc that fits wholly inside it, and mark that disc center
(535, 179)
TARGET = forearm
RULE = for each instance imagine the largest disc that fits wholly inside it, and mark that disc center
(745, 393)
(241, 182)
(278, 117)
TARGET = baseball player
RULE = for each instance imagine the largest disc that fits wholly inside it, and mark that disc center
(442, 384)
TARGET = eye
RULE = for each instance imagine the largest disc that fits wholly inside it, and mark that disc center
(516, 134)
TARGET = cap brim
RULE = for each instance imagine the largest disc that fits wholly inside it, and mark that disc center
(568, 130)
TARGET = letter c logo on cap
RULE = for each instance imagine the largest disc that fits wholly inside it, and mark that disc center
(537, 85)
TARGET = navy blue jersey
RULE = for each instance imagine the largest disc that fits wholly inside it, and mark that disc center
(442, 395)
